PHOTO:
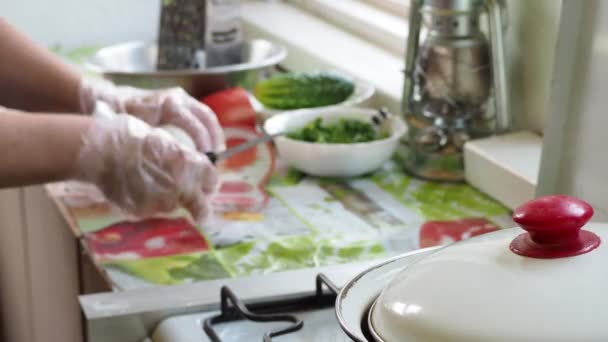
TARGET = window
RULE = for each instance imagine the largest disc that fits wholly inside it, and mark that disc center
(382, 22)
(396, 7)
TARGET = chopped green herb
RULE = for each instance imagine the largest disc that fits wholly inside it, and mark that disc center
(345, 131)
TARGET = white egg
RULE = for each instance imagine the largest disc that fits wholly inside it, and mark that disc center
(180, 135)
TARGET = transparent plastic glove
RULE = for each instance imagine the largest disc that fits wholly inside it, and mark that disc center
(144, 170)
(171, 106)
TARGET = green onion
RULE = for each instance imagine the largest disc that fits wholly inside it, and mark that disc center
(345, 131)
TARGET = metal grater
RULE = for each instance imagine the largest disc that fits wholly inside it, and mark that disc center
(195, 34)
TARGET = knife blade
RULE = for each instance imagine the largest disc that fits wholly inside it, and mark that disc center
(216, 157)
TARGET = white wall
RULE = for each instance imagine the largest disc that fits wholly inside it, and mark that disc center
(574, 161)
(531, 39)
(75, 23)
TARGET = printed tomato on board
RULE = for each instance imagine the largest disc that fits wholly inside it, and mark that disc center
(145, 239)
(435, 233)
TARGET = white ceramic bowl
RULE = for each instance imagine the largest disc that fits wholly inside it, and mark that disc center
(334, 160)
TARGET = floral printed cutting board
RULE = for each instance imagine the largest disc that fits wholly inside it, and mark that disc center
(270, 218)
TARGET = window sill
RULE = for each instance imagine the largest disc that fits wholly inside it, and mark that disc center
(386, 29)
(314, 44)
(505, 167)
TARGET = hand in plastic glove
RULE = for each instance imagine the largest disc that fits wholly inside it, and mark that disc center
(158, 107)
(144, 170)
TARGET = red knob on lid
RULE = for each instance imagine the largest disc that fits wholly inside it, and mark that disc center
(553, 225)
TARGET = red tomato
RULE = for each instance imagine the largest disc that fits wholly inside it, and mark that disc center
(232, 107)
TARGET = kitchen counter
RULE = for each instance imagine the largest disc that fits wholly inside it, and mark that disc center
(270, 218)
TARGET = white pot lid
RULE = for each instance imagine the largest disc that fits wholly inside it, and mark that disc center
(547, 284)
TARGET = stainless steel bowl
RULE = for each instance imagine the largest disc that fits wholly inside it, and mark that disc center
(134, 64)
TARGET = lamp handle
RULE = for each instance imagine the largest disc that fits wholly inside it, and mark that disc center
(501, 90)
(413, 37)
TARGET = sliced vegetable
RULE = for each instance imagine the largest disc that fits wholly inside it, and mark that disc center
(232, 107)
(303, 90)
(240, 160)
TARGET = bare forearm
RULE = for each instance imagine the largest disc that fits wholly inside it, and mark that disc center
(32, 78)
(41, 148)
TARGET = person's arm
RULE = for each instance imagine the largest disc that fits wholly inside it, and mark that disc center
(139, 168)
(32, 78)
(39, 148)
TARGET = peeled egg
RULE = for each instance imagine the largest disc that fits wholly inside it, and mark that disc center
(180, 135)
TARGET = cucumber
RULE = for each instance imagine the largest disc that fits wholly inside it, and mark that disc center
(303, 90)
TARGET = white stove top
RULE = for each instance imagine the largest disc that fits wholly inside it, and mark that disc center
(176, 313)
(319, 325)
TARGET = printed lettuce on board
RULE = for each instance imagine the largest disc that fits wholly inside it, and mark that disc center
(173, 269)
(296, 252)
(451, 201)
(206, 267)
(436, 201)
(287, 177)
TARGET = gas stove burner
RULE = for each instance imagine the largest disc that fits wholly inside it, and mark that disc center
(239, 310)
(321, 280)
(233, 309)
